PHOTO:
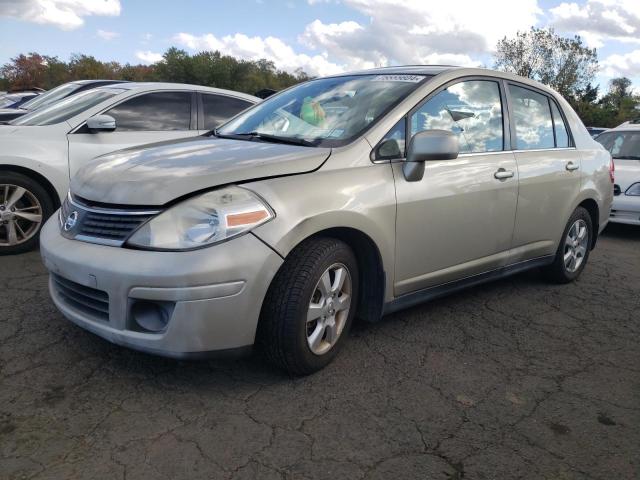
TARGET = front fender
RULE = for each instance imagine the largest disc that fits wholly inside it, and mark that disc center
(361, 198)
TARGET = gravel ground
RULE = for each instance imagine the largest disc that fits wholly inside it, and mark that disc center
(514, 379)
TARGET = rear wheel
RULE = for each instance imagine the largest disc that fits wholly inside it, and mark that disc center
(573, 251)
(310, 306)
(24, 206)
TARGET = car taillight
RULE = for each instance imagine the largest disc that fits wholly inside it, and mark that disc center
(612, 170)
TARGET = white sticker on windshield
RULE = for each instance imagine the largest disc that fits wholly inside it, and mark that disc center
(398, 78)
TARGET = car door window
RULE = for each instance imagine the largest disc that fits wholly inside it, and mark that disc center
(532, 117)
(471, 109)
(217, 109)
(158, 111)
(388, 151)
(559, 127)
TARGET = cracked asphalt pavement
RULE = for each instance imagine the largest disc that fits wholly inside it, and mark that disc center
(513, 379)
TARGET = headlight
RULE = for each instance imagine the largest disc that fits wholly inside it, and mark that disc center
(633, 190)
(203, 220)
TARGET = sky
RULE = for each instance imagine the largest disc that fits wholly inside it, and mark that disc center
(319, 36)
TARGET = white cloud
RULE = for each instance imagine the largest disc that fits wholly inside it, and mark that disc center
(254, 48)
(398, 32)
(65, 14)
(626, 64)
(107, 35)
(414, 31)
(599, 20)
(148, 56)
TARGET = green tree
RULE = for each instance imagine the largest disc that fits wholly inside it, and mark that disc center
(565, 64)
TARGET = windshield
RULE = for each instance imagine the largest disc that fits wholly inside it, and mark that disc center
(67, 108)
(9, 100)
(621, 145)
(51, 96)
(325, 112)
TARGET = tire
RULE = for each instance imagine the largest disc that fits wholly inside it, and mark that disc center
(288, 334)
(19, 232)
(562, 270)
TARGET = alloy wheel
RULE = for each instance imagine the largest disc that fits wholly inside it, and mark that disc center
(575, 245)
(329, 308)
(20, 215)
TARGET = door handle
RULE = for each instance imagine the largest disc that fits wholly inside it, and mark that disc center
(503, 174)
(572, 166)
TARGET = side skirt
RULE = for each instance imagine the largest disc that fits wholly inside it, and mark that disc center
(431, 293)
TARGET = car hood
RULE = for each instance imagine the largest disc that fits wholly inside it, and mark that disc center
(158, 173)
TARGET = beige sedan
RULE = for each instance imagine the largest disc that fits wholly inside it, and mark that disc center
(348, 196)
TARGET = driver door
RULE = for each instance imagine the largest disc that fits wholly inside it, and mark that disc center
(458, 220)
(146, 118)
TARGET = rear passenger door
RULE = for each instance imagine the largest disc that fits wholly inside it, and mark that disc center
(548, 169)
(217, 109)
(458, 220)
(146, 118)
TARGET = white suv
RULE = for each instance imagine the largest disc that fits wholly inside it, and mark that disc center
(40, 151)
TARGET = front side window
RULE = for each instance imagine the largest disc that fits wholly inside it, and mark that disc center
(392, 146)
(621, 145)
(532, 117)
(66, 108)
(326, 112)
(158, 111)
(471, 109)
(219, 108)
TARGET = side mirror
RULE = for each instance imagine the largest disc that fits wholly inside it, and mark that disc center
(101, 123)
(429, 146)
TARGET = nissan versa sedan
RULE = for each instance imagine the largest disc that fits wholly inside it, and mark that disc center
(624, 144)
(345, 197)
(42, 149)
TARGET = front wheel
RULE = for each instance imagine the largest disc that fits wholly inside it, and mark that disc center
(24, 206)
(309, 307)
(573, 251)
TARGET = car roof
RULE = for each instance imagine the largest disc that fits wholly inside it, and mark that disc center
(403, 70)
(628, 127)
(179, 86)
(88, 82)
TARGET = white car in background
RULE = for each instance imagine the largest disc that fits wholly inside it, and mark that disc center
(623, 143)
(41, 151)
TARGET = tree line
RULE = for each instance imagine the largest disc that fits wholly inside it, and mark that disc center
(565, 64)
(569, 67)
(205, 68)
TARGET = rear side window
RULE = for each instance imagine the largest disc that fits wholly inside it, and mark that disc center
(219, 108)
(532, 117)
(559, 127)
(471, 109)
(622, 145)
(159, 111)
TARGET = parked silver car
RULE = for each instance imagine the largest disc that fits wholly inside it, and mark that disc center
(624, 144)
(41, 150)
(349, 196)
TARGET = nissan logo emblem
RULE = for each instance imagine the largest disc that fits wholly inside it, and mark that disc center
(70, 222)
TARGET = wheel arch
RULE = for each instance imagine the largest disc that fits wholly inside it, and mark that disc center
(591, 206)
(38, 177)
(370, 264)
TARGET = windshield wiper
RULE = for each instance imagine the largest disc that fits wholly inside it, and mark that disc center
(268, 138)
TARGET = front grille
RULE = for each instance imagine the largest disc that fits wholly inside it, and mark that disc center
(110, 226)
(90, 301)
(101, 225)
